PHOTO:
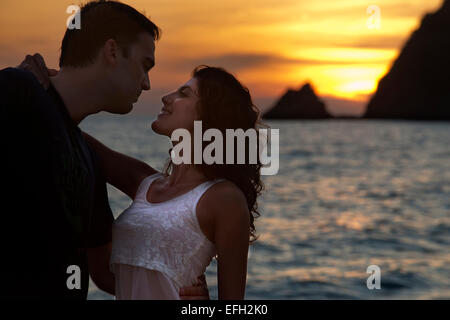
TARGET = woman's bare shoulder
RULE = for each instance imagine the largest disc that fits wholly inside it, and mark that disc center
(224, 197)
(224, 191)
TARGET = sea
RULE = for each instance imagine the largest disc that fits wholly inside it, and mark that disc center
(359, 209)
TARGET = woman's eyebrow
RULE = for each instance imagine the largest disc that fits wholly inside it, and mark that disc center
(185, 87)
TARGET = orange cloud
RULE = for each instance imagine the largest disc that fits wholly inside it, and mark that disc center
(269, 44)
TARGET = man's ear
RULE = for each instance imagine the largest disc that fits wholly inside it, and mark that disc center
(111, 52)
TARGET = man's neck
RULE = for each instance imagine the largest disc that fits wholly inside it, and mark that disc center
(79, 90)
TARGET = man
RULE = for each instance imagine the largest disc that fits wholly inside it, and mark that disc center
(56, 218)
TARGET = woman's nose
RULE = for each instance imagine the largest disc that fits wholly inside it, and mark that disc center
(165, 99)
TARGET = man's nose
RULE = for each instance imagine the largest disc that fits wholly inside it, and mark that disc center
(146, 83)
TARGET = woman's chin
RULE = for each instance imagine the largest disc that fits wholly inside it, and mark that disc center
(157, 128)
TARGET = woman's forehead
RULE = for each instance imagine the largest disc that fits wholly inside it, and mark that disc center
(192, 84)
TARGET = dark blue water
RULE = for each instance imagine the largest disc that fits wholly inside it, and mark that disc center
(348, 194)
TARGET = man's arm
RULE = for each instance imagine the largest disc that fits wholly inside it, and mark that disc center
(197, 292)
(98, 263)
(123, 172)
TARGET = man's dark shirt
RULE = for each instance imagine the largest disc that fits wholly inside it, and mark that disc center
(54, 201)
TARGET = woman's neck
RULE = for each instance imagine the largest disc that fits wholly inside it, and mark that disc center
(185, 174)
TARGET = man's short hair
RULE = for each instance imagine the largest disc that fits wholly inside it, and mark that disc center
(100, 21)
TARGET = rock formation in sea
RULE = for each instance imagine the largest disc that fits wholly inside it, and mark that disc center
(418, 85)
(298, 104)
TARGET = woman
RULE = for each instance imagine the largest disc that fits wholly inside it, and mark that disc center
(181, 218)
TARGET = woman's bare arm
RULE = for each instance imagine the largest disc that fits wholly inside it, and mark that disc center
(123, 172)
(231, 221)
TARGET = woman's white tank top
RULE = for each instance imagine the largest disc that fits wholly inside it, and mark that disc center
(164, 236)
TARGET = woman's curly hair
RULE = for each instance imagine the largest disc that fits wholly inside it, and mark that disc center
(224, 103)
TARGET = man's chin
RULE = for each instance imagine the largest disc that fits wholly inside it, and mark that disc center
(128, 108)
(124, 109)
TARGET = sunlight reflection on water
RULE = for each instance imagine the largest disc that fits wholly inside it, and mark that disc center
(348, 194)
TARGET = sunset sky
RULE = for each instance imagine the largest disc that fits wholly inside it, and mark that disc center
(270, 45)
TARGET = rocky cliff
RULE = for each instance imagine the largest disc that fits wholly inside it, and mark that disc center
(298, 104)
(418, 84)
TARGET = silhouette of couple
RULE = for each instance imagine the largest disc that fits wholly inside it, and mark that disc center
(56, 215)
